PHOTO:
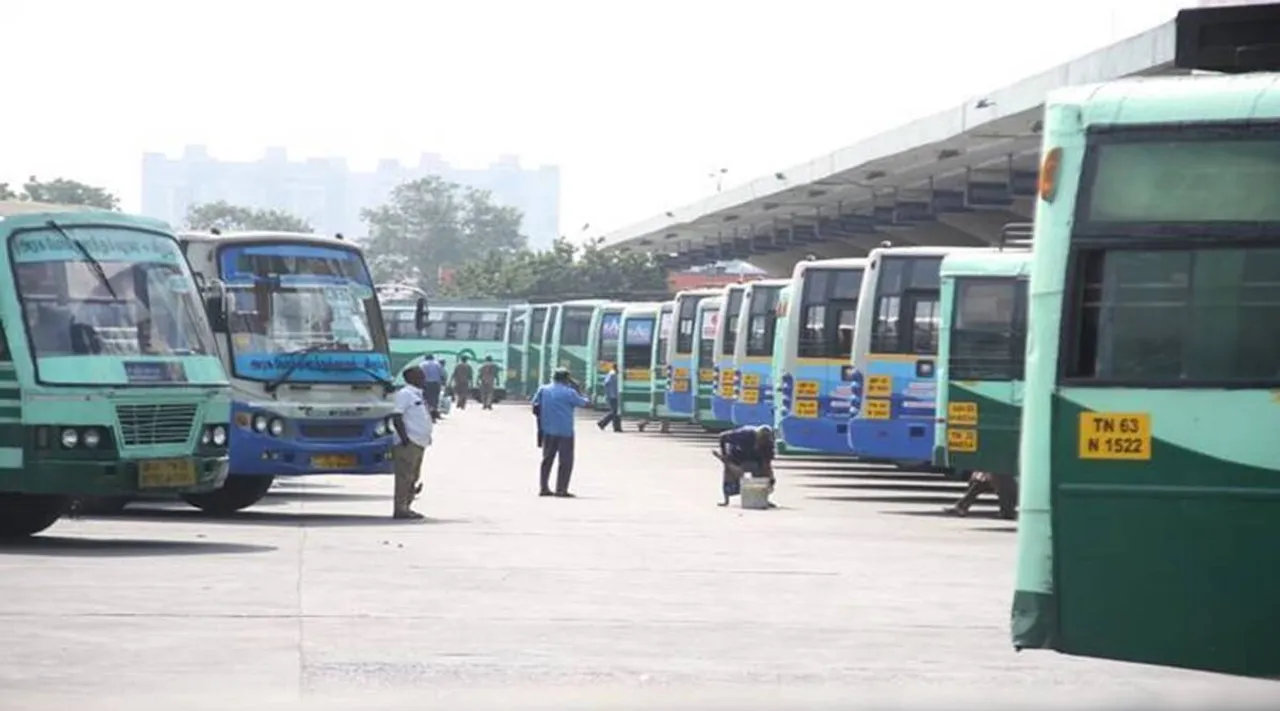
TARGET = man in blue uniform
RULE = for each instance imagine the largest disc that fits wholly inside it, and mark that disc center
(553, 404)
(611, 397)
(433, 384)
(747, 449)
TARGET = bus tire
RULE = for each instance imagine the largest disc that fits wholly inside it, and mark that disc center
(239, 493)
(23, 515)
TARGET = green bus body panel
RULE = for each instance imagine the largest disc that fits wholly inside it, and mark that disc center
(1171, 560)
(999, 426)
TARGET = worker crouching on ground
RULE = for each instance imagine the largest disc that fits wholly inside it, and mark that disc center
(745, 450)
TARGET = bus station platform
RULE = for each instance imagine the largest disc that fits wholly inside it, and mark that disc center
(640, 592)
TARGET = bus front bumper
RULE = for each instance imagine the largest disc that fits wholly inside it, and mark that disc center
(80, 477)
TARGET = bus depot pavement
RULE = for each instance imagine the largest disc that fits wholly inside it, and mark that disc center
(640, 591)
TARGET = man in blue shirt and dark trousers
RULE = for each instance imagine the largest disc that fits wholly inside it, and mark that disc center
(554, 404)
(611, 397)
(433, 384)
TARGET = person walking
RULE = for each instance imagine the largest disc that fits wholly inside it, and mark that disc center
(611, 397)
(553, 404)
(432, 384)
(488, 382)
(461, 379)
(412, 423)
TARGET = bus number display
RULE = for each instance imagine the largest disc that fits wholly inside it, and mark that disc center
(1115, 435)
(727, 390)
(959, 440)
(879, 385)
(964, 414)
(706, 375)
(876, 410)
(807, 409)
(806, 388)
(750, 380)
(679, 385)
(750, 396)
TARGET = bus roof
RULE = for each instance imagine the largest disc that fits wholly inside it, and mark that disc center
(988, 262)
(703, 291)
(1175, 99)
(644, 307)
(586, 302)
(25, 211)
(259, 235)
(446, 306)
(918, 251)
(770, 282)
(712, 302)
(847, 263)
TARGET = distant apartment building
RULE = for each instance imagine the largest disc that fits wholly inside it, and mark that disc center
(330, 196)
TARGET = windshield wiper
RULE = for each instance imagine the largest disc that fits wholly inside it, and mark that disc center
(301, 354)
(88, 258)
(388, 386)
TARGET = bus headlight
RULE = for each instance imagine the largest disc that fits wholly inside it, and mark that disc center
(380, 429)
(219, 436)
(70, 438)
(260, 423)
(277, 427)
(206, 437)
(92, 438)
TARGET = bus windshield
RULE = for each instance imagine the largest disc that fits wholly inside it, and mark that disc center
(610, 332)
(989, 329)
(731, 314)
(828, 311)
(286, 297)
(638, 346)
(105, 291)
(664, 336)
(575, 326)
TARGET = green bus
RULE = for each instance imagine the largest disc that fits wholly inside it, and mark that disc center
(661, 383)
(779, 364)
(517, 327)
(573, 338)
(1150, 462)
(635, 359)
(981, 359)
(606, 342)
(112, 385)
(451, 330)
(535, 337)
(703, 372)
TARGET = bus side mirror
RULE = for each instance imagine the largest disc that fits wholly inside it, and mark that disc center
(215, 305)
(420, 314)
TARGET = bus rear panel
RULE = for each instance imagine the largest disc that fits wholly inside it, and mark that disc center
(704, 363)
(635, 371)
(725, 392)
(681, 371)
(660, 387)
(755, 353)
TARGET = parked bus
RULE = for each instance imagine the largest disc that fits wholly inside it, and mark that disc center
(662, 351)
(816, 367)
(681, 350)
(607, 342)
(754, 353)
(726, 372)
(893, 394)
(302, 338)
(450, 332)
(704, 358)
(1150, 458)
(573, 338)
(981, 359)
(112, 383)
(533, 338)
(517, 327)
(546, 360)
(779, 349)
(635, 359)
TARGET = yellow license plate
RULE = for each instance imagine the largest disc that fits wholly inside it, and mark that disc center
(727, 391)
(637, 374)
(751, 380)
(806, 388)
(726, 377)
(964, 414)
(706, 375)
(166, 473)
(333, 461)
(808, 409)
(879, 385)
(680, 386)
(749, 397)
(876, 410)
(959, 440)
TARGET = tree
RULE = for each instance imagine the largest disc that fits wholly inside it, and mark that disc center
(431, 223)
(67, 192)
(563, 272)
(222, 215)
(7, 193)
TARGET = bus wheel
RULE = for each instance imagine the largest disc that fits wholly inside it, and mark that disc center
(240, 492)
(26, 515)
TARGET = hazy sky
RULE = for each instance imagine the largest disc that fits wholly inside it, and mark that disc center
(636, 101)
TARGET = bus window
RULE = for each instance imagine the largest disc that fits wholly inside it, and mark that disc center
(989, 329)
(607, 346)
(731, 321)
(515, 332)
(828, 310)
(762, 321)
(491, 326)
(685, 324)
(664, 336)
(1178, 316)
(706, 346)
(638, 346)
(575, 326)
(906, 314)
(535, 331)
(437, 327)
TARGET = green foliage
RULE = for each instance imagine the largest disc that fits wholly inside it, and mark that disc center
(7, 193)
(64, 192)
(562, 272)
(224, 216)
(431, 223)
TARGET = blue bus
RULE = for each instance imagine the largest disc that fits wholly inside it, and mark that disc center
(681, 370)
(814, 385)
(754, 353)
(723, 395)
(894, 388)
(303, 342)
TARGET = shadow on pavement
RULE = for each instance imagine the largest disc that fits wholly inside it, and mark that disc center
(974, 513)
(271, 518)
(924, 500)
(865, 476)
(68, 547)
(318, 496)
(888, 485)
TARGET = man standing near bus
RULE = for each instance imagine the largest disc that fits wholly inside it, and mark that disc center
(611, 397)
(461, 381)
(413, 427)
(488, 382)
(432, 384)
(554, 404)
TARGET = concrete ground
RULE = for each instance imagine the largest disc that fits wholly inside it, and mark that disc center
(640, 592)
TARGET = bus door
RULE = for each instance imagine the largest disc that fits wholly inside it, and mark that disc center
(637, 364)
(725, 391)
(661, 382)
